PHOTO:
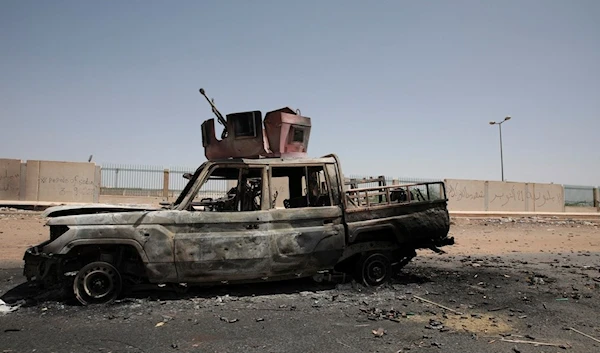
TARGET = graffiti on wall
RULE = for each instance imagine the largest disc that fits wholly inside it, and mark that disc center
(540, 198)
(75, 186)
(9, 181)
(459, 192)
(479, 195)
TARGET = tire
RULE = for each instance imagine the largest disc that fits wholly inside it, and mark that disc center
(374, 269)
(97, 283)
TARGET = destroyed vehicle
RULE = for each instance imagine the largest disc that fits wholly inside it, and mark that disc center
(284, 216)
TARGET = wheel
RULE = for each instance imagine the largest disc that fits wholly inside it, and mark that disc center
(97, 283)
(374, 269)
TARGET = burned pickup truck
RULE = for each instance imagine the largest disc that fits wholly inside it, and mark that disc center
(284, 216)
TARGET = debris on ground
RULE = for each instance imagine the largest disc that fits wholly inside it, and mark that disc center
(584, 334)
(434, 325)
(379, 332)
(5, 308)
(436, 304)
(535, 343)
(375, 314)
(229, 321)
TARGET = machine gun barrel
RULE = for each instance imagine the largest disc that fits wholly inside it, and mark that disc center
(214, 109)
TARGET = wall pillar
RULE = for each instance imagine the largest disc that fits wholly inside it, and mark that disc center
(166, 184)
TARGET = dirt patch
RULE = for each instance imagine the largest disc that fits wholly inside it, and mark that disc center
(482, 324)
(523, 236)
(17, 233)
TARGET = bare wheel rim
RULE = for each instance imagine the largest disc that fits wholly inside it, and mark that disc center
(97, 282)
(375, 269)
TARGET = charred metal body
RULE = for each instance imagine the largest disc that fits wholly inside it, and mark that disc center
(282, 218)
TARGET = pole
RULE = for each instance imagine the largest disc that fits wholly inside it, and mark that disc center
(501, 157)
(501, 153)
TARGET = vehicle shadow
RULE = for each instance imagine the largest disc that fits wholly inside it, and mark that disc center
(29, 294)
(295, 286)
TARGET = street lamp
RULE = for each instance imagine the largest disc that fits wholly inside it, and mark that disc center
(500, 128)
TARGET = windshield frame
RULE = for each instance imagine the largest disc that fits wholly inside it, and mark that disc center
(188, 188)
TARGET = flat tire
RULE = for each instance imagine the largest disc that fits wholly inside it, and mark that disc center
(374, 269)
(97, 283)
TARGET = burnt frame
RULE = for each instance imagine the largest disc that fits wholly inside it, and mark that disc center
(305, 174)
(209, 172)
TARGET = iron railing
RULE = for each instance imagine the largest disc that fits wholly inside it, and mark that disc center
(148, 180)
(577, 195)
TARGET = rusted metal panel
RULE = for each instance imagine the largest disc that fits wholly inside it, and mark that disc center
(284, 134)
(288, 133)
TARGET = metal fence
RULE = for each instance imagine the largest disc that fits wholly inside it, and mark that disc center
(576, 195)
(388, 180)
(146, 180)
(141, 180)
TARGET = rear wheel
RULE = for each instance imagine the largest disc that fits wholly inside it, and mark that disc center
(97, 283)
(374, 269)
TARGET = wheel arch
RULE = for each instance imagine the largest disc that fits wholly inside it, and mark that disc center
(82, 243)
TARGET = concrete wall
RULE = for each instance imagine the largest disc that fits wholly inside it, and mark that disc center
(10, 179)
(61, 181)
(480, 195)
(49, 181)
(54, 181)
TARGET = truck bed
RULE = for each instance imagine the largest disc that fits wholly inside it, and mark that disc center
(416, 215)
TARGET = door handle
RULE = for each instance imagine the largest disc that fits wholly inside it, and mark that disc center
(328, 221)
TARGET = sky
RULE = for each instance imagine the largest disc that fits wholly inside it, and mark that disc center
(401, 88)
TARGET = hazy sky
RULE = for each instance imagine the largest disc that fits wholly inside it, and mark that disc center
(399, 88)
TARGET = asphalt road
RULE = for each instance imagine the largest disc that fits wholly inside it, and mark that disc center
(509, 297)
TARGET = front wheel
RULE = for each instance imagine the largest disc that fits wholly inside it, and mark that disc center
(97, 283)
(374, 269)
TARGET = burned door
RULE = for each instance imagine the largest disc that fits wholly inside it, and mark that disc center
(306, 221)
(221, 237)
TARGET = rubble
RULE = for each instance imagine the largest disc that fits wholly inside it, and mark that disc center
(5, 308)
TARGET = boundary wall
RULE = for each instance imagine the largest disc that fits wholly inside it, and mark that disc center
(52, 181)
(492, 196)
(80, 182)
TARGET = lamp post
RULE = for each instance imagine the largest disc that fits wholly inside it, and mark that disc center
(500, 129)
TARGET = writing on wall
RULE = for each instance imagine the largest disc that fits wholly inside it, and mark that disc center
(539, 198)
(62, 181)
(9, 181)
(73, 186)
(465, 195)
(458, 191)
(480, 195)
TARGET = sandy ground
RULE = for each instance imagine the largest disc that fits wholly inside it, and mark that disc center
(505, 284)
(527, 236)
(17, 233)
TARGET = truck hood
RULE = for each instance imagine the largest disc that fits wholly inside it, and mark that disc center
(71, 210)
